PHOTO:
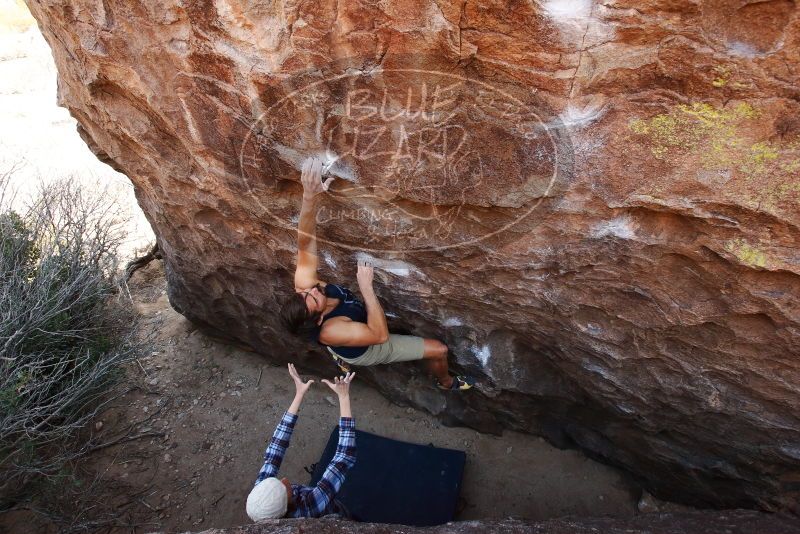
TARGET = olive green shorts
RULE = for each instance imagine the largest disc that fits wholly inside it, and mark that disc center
(399, 348)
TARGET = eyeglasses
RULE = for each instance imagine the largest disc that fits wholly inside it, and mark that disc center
(307, 292)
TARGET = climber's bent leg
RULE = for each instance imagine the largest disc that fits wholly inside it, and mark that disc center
(436, 359)
(398, 348)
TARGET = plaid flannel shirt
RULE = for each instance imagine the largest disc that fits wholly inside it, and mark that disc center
(319, 500)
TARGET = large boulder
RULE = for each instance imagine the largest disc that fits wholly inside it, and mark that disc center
(595, 205)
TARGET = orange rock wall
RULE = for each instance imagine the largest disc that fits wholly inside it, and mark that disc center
(594, 204)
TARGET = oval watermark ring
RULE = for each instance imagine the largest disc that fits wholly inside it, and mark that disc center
(425, 159)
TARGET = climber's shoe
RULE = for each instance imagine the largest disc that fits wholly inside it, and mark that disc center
(460, 383)
(341, 364)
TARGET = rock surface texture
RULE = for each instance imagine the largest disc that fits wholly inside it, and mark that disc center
(594, 204)
(733, 522)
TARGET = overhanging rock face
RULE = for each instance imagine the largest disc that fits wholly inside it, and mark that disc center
(594, 204)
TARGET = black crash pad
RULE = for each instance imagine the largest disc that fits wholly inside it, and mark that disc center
(398, 482)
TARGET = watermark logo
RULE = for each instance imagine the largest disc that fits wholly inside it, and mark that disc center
(424, 159)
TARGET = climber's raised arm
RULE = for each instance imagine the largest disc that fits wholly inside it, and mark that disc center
(305, 276)
(354, 332)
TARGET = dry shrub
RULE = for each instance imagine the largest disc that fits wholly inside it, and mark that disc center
(65, 330)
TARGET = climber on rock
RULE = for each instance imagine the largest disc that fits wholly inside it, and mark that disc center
(354, 332)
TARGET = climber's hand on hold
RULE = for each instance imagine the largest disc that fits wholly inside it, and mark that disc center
(311, 178)
(365, 275)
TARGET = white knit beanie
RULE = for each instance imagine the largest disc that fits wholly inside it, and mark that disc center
(267, 500)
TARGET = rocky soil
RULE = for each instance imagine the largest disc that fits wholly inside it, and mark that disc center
(594, 204)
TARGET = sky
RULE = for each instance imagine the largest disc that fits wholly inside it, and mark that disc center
(38, 138)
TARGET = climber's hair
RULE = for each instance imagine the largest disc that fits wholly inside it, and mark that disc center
(297, 319)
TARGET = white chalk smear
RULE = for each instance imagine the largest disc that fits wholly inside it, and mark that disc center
(592, 328)
(624, 408)
(329, 259)
(788, 450)
(743, 50)
(572, 10)
(738, 48)
(396, 267)
(597, 369)
(452, 321)
(483, 354)
(576, 117)
(330, 161)
(580, 22)
(621, 227)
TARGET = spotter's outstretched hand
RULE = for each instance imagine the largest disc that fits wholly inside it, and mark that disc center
(300, 386)
(340, 384)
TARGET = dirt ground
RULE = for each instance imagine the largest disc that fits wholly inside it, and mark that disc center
(193, 435)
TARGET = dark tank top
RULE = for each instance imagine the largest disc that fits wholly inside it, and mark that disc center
(349, 306)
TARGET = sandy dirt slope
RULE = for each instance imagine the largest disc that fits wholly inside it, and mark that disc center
(217, 404)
